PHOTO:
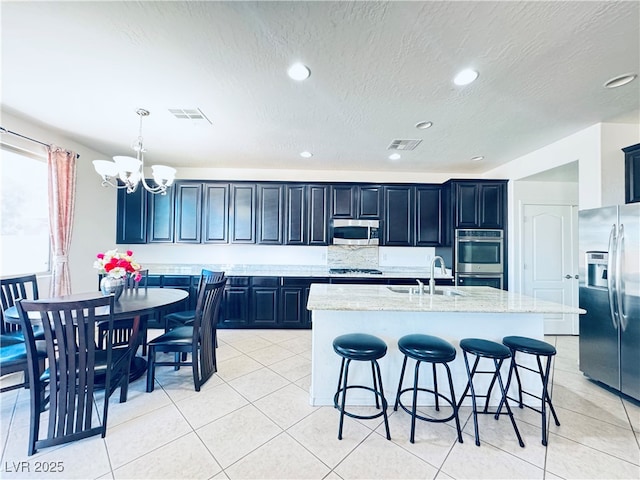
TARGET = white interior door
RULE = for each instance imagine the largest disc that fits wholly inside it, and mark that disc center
(550, 263)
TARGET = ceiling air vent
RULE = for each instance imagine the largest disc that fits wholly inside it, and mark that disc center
(194, 114)
(403, 144)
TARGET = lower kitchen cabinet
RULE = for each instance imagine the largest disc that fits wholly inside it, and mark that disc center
(234, 311)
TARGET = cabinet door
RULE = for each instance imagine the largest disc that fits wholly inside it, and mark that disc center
(243, 213)
(216, 213)
(429, 216)
(131, 217)
(632, 173)
(264, 301)
(318, 215)
(188, 212)
(343, 201)
(161, 217)
(399, 222)
(235, 303)
(270, 214)
(291, 309)
(466, 208)
(295, 214)
(491, 205)
(369, 201)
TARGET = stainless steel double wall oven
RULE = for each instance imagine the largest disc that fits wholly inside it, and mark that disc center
(479, 257)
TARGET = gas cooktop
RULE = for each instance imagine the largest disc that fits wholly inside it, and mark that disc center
(366, 271)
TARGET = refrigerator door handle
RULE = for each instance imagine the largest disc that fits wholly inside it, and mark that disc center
(619, 290)
(611, 275)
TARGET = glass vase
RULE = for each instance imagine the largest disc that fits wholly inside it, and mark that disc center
(109, 285)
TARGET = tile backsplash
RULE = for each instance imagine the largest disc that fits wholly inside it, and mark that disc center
(352, 256)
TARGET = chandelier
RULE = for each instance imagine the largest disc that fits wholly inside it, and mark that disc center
(130, 170)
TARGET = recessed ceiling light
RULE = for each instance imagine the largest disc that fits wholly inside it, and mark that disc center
(620, 80)
(477, 158)
(306, 154)
(465, 77)
(424, 125)
(299, 72)
(394, 156)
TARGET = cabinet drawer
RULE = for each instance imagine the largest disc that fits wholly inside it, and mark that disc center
(176, 281)
(265, 281)
(238, 281)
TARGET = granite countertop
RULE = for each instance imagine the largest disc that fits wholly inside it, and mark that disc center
(288, 271)
(470, 299)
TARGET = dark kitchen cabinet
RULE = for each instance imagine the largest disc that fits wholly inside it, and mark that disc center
(215, 228)
(188, 211)
(243, 213)
(295, 214)
(294, 295)
(235, 303)
(264, 301)
(270, 214)
(632, 173)
(479, 204)
(131, 216)
(161, 216)
(318, 218)
(429, 216)
(356, 201)
(399, 219)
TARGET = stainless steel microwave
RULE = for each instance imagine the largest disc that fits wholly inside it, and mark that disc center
(356, 232)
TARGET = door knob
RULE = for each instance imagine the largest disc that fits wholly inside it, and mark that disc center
(567, 276)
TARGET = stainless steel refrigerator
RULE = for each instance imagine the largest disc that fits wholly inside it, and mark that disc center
(610, 293)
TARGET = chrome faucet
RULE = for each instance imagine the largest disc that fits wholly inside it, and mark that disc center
(432, 280)
(420, 287)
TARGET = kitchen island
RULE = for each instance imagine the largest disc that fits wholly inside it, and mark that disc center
(389, 312)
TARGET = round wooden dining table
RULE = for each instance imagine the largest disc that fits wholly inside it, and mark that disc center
(135, 304)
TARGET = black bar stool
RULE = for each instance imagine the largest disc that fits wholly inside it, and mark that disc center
(360, 347)
(498, 353)
(433, 350)
(540, 349)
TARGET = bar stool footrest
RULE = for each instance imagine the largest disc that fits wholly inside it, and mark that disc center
(427, 419)
(383, 403)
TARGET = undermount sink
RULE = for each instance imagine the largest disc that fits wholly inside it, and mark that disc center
(414, 290)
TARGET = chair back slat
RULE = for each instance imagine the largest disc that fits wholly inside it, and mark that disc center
(70, 329)
(13, 289)
(204, 328)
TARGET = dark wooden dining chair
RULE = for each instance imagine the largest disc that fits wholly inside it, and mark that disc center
(198, 339)
(124, 331)
(74, 363)
(13, 351)
(186, 317)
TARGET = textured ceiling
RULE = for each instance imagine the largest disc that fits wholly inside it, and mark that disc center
(378, 68)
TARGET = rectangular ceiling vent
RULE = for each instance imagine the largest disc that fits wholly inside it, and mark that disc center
(403, 144)
(194, 114)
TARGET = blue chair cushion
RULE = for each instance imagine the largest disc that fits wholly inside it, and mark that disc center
(359, 346)
(13, 354)
(427, 348)
(529, 345)
(177, 319)
(485, 348)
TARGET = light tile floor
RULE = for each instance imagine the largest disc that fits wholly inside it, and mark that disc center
(253, 420)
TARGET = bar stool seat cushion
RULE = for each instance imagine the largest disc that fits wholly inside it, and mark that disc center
(529, 345)
(485, 348)
(359, 346)
(427, 348)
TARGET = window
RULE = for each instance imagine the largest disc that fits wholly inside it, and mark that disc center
(24, 220)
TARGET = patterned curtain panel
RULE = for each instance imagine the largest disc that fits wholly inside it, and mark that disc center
(62, 195)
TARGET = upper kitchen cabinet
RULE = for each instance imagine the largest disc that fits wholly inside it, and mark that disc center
(479, 204)
(295, 214)
(318, 215)
(215, 227)
(399, 219)
(632, 173)
(243, 213)
(270, 213)
(161, 216)
(356, 201)
(131, 217)
(429, 216)
(188, 211)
